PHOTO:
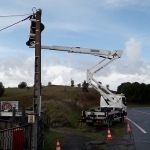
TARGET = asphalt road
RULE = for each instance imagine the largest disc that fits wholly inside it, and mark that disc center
(139, 121)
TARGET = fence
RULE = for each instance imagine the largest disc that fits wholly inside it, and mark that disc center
(43, 124)
(5, 124)
(45, 120)
(17, 138)
(17, 134)
(40, 135)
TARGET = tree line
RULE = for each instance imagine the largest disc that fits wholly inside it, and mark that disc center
(135, 92)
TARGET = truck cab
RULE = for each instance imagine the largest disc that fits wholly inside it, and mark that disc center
(119, 102)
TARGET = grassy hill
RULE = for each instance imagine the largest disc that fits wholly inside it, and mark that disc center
(62, 103)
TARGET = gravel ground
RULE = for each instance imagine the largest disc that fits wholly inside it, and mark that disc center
(94, 138)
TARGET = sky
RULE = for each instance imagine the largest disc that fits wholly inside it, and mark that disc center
(97, 24)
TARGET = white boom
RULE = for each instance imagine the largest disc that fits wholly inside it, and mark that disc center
(96, 52)
(110, 55)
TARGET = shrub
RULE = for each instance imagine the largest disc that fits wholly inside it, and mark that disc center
(85, 86)
(2, 89)
(72, 83)
(22, 85)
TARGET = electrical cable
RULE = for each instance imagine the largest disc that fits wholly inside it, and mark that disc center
(15, 15)
(15, 23)
(34, 8)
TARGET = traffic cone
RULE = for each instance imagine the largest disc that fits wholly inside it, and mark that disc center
(128, 129)
(57, 145)
(109, 137)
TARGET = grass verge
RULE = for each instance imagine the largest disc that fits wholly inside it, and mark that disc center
(50, 140)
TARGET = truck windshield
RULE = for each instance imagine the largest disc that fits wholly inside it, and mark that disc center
(124, 101)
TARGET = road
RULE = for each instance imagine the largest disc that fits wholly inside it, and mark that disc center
(139, 121)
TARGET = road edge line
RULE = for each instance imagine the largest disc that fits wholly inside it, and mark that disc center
(137, 126)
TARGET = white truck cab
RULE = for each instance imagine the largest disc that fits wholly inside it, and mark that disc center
(119, 103)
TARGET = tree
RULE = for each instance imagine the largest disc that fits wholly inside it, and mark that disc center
(79, 85)
(146, 94)
(135, 92)
(72, 83)
(120, 87)
(22, 85)
(107, 86)
(49, 83)
(2, 89)
(85, 86)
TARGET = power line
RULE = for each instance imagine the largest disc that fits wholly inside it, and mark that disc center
(15, 23)
(15, 15)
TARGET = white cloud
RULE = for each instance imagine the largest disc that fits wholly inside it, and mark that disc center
(61, 75)
(116, 78)
(58, 81)
(59, 70)
(16, 70)
(133, 50)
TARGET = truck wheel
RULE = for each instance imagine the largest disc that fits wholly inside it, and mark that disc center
(122, 118)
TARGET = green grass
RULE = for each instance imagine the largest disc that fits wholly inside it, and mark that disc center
(60, 102)
(60, 111)
(50, 140)
(25, 97)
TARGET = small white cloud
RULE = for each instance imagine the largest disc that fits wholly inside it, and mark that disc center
(56, 70)
(58, 81)
(133, 50)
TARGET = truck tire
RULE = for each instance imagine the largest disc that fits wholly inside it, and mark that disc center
(122, 118)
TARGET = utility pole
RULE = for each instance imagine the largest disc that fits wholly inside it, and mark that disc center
(36, 28)
(37, 78)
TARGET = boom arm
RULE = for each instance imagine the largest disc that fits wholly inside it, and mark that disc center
(96, 52)
(110, 55)
(98, 86)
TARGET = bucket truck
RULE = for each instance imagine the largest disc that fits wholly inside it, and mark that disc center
(112, 106)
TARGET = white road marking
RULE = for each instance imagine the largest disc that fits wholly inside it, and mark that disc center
(137, 126)
(141, 111)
